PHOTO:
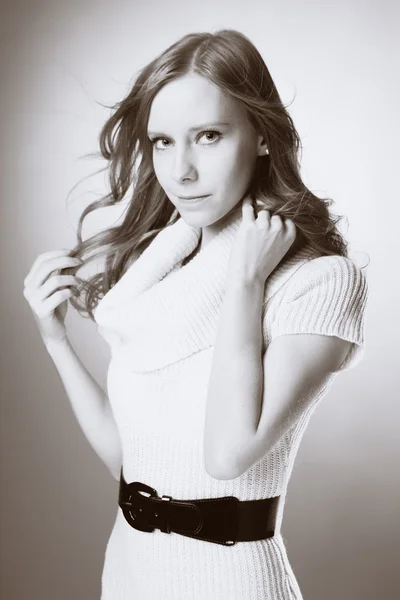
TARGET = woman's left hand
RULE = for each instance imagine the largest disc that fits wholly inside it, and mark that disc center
(260, 244)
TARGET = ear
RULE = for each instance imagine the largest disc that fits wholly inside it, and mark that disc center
(262, 149)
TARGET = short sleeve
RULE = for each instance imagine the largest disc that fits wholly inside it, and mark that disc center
(326, 296)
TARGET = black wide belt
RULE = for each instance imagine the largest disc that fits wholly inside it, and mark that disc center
(225, 520)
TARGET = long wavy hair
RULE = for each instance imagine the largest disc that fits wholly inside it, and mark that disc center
(229, 60)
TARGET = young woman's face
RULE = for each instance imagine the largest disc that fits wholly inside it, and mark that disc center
(203, 144)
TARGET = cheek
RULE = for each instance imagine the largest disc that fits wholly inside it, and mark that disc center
(236, 167)
(226, 163)
(160, 171)
(157, 166)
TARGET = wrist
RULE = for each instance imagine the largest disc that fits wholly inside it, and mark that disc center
(239, 283)
(242, 290)
(55, 344)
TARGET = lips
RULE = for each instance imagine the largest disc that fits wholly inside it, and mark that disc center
(193, 197)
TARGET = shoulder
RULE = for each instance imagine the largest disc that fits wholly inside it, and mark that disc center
(336, 274)
(333, 265)
(326, 296)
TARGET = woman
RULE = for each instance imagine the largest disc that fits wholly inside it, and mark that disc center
(229, 303)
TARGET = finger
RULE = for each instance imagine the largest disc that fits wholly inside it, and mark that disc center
(277, 221)
(247, 209)
(290, 227)
(55, 283)
(42, 258)
(264, 216)
(46, 307)
(50, 266)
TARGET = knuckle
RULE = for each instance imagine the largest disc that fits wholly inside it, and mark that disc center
(28, 296)
(247, 226)
(276, 221)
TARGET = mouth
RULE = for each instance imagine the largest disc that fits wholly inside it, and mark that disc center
(193, 198)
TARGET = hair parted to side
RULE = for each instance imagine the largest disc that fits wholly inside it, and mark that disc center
(229, 60)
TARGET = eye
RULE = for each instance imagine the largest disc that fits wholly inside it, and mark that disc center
(213, 132)
(208, 132)
(153, 142)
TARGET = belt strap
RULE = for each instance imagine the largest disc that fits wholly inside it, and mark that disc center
(224, 520)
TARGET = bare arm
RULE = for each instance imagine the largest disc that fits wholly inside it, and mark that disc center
(89, 403)
(253, 399)
(236, 380)
(47, 290)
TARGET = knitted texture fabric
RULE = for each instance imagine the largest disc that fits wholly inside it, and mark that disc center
(160, 321)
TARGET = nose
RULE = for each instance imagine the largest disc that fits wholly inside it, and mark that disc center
(183, 167)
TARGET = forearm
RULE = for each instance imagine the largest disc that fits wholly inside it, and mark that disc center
(89, 403)
(236, 379)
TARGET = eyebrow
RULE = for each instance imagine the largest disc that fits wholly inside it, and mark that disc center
(192, 129)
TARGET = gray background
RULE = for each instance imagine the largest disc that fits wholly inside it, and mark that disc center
(58, 501)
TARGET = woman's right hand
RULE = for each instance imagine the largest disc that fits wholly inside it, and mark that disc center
(47, 292)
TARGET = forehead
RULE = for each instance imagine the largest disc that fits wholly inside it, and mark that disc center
(190, 100)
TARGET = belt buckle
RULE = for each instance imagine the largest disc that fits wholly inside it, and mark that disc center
(136, 508)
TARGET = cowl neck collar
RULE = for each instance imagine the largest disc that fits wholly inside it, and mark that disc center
(155, 320)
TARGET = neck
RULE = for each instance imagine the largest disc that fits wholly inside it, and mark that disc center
(210, 231)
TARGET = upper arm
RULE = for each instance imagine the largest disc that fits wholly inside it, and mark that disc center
(296, 368)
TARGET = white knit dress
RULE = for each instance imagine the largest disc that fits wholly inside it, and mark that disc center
(160, 321)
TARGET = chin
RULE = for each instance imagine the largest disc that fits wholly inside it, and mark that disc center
(196, 220)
